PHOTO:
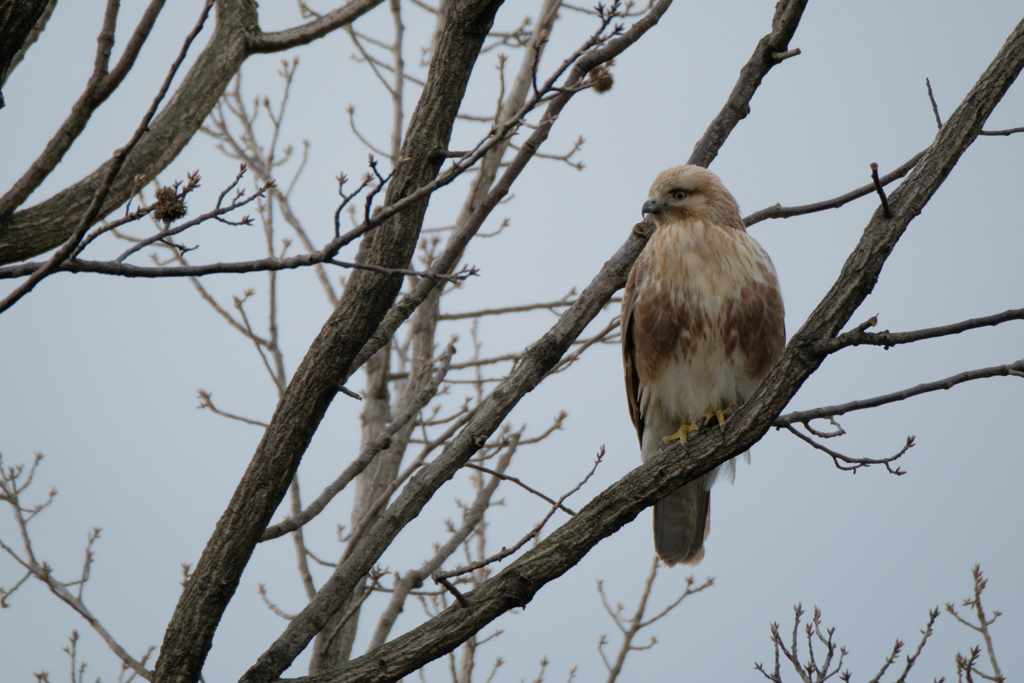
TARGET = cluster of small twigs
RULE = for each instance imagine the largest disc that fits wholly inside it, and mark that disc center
(14, 481)
(630, 626)
(77, 667)
(845, 462)
(859, 336)
(967, 665)
(406, 416)
(404, 372)
(443, 577)
(811, 670)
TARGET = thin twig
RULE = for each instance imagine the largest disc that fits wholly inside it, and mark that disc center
(382, 441)
(880, 190)
(1008, 131)
(206, 402)
(888, 339)
(857, 463)
(779, 211)
(519, 482)
(505, 552)
(104, 188)
(453, 590)
(968, 664)
(935, 105)
(1013, 369)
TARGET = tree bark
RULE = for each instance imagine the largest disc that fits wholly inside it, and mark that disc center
(17, 19)
(367, 298)
(45, 226)
(619, 504)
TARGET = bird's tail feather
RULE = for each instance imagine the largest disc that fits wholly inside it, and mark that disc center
(681, 523)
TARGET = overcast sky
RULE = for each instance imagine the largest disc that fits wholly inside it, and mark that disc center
(100, 374)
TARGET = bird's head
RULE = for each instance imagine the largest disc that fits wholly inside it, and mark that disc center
(691, 193)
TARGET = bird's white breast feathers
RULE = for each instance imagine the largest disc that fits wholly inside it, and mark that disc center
(692, 309)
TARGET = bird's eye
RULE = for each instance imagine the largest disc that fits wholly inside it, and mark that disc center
(679, 195)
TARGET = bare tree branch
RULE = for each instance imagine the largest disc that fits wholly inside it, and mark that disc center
(779, 211)
(518, 583)
(519, 482)
(1009, 131)
(472, 517)
(92, 212)
(102, 83)
(364, 459)
(277, 41)
(365, 301)
(1013, 369)
(630, 627)
(967, 664)
(888, 339)
(47, 225)
(506, 552)
(854, 464)
(737, 107)
(22, 24)
(13, 482)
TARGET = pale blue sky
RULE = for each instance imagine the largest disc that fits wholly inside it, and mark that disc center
(100, 374)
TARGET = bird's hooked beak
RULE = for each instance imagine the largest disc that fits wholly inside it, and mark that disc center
(650, 206)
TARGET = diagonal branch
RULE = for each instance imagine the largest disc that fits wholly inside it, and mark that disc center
(382, 442)
(888, 339)
(49, 224)
(1012, 369)
(779, 211)
(315, 382)
(100, 86)
(737, 107)
(519, 482)
(517, 584)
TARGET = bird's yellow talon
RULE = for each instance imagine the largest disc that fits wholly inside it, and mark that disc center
(684, 431)
(720, 414)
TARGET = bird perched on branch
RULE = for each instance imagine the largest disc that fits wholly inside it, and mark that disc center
(702, 324)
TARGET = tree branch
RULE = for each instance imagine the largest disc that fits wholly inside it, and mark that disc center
(854, 464)
(519, 482)
(556, 505)
(382, 442)
(49, 224)
(314, 385)
(276, 41)
(19, 28)
(117, 163)
(779, 211)
(888, 339)
(517, 584)
(1013, 369)
(737, 107)
(100, 86)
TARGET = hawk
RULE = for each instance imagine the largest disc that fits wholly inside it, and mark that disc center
(702, 324)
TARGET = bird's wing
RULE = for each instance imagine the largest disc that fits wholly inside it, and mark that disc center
(629, 298)
(758, 322)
